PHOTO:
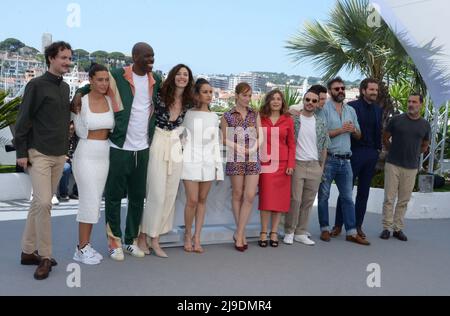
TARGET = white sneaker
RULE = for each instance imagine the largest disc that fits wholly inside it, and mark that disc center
(95, 252)
(116, 254)
(288, 239)
(55, 200)
(85, 256)
(134, 250)
(304, 239)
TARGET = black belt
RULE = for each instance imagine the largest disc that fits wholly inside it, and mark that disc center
(347, 156)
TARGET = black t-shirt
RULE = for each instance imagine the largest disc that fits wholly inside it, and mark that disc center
(407, 137)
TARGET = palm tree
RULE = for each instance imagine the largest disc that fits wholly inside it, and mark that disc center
(291, 96)
(8, 110)
(347, 42)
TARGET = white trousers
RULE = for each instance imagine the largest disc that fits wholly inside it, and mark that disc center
(163, 179)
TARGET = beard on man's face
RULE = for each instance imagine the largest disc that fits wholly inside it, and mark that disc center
(371, 97)
(413, 110)
(338, 97)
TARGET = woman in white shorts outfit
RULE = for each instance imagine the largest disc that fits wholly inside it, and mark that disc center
(202, 163)
(91, 159)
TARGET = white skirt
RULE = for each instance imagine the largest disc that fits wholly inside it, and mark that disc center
(90, 168)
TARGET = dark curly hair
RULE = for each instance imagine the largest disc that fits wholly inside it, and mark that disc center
(53, 49)
(168, 88)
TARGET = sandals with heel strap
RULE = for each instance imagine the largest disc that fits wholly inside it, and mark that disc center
(274, 243)
(262, 243)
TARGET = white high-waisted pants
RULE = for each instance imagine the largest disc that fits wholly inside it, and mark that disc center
(163, 178)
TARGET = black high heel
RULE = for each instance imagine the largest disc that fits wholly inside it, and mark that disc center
(274, 243)
(262, 243)
(239, 248)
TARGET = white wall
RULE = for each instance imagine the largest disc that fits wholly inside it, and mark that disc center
(17, 186)
(5, 138)
(14, 186)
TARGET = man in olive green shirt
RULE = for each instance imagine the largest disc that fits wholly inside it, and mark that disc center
(42, 141)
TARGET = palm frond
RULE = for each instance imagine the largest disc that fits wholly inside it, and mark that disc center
(291, 96)
(8, 110)
(346, 42)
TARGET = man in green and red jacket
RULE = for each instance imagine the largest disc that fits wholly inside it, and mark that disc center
(132, 91)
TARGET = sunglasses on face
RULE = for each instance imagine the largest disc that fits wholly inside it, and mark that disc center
(314, 101)
(337, 89)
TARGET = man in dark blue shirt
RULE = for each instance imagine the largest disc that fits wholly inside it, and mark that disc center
(365, 151)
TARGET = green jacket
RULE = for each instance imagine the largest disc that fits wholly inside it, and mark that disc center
(323, 139)
(121, 92)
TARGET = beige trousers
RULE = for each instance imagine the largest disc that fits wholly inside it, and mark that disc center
(398, 183)
(45, 172)
(163, 179)
(305, 185)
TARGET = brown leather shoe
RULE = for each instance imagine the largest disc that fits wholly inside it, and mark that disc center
(357, 239)
(336, 231)
(43, 269)
(325, 236)
(30, 259)
(33, 259)
(361, 233)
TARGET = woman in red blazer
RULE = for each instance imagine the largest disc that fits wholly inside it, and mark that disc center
(277, 162)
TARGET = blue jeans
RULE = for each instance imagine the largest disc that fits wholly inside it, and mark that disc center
(64, 182)
(364, 161)
(340, 171)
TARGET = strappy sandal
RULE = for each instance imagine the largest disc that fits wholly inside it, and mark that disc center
(274, 243)
(198, 249)
(262, 243)
(187, 243)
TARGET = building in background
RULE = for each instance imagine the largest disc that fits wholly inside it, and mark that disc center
(46, 41)
(219, 82)
(256, 81)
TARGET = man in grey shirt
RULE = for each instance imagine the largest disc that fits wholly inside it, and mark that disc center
(342, 124)
(410, 137)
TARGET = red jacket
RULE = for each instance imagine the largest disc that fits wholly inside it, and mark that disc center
(284, 127)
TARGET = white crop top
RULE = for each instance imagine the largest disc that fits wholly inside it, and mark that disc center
(87, 121)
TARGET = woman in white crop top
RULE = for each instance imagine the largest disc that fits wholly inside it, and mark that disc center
(91, 159)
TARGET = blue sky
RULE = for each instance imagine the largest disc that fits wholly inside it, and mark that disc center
(227, 36)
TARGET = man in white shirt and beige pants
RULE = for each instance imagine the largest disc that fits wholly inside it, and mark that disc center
(312, 139)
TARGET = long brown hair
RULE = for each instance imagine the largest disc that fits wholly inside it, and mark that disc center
(265, 110)
(168, 88)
